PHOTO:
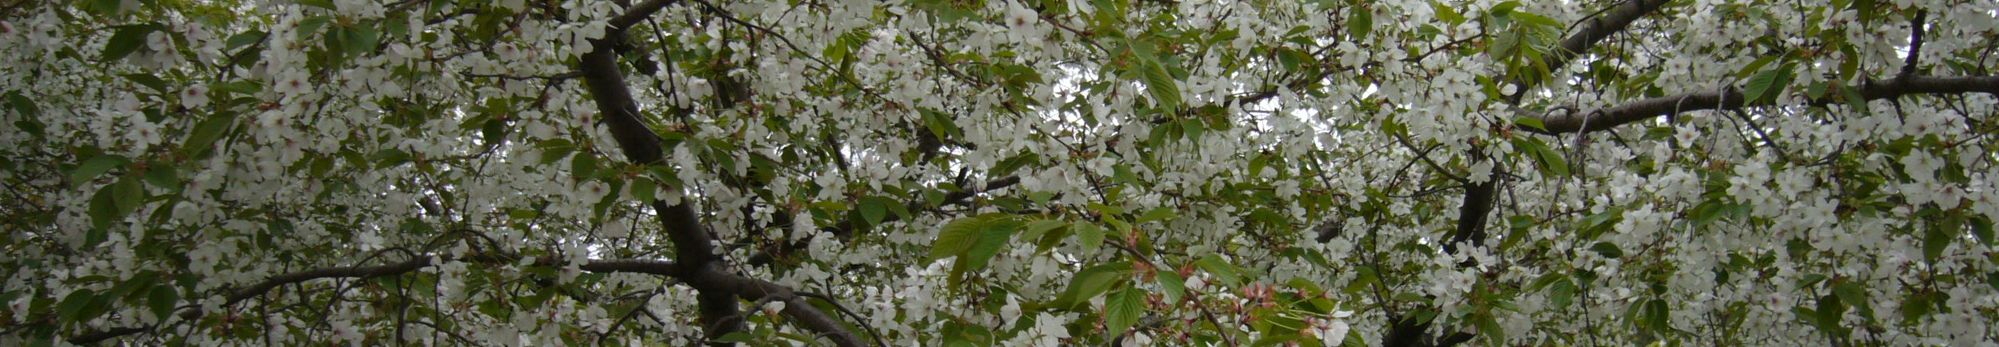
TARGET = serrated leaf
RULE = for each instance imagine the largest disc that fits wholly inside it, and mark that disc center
(150, 81)
(127, 195)
(1165, 90)
(954, 238)
(1089, 236)
(1658, 316)
(1157, 214)
(644, 189)
(1122, 309)
(1530, 123)
(361, 40)
(1769, 84)
(874, 209)
(95, 166)
(1092, 281)
(72, 306)
(1981, 227)
(960, 235)
(994, 236)
(1561, 293)
(1221, 269)
(1607, 249)
(1935, 241)
(163, 175)
(162, 300)
(1850, 292)
(243, 39)
(125, 40)
(1756, 65)
(1830, 310)
(205, 134)
(1360, 21)
(1174, 286)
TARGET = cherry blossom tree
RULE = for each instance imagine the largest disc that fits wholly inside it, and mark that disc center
(997, 172)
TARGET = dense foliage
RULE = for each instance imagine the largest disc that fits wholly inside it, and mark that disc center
(1042, 172)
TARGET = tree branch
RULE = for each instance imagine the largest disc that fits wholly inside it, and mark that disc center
(694, 249)
(1595, 31)
(1733, 98)
(637, 13)
(1915, 44)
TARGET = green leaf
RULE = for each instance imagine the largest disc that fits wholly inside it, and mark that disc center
(95, 166)
(1754, 66)
(583, 165)
(103, 209)
(1607, 249)
(1221, 269)
(874, 209)
(1092, 281)
(1089, 236)
(1504, 8)
(1981, 227)
(127, 194)
(205, 134)
(1165, 90)
(1531, 122)
(72, 306)
(244, 39)
(325, 4)
(998, 229)
(973, 239)
(1550, 161)
(1122, 310)
(148, 80)
(162, 300)
(1447, 13)
(1935, 242)
(125, 40)
(1658, 316)
(644, 189)
(1038, 227)
(1174, 286)
(1830, 310)
(1850, 292)
(164, 176)
(361, 40)
(310, 25)
(1562, 293)
(1769, 84)
(1157, 214)
(956, 237)
(1360, 21)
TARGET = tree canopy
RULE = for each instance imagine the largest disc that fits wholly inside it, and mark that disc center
(995, 172)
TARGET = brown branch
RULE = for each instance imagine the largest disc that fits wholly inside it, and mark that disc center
(1478, 199)
(1915, 44)
(637, 13)
(699, 265)
(1594, 31)
(1733, 98)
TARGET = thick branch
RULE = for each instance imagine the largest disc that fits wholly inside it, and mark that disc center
(637, 13)
(1733, 98)
(1594, 31)
(717, 289)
